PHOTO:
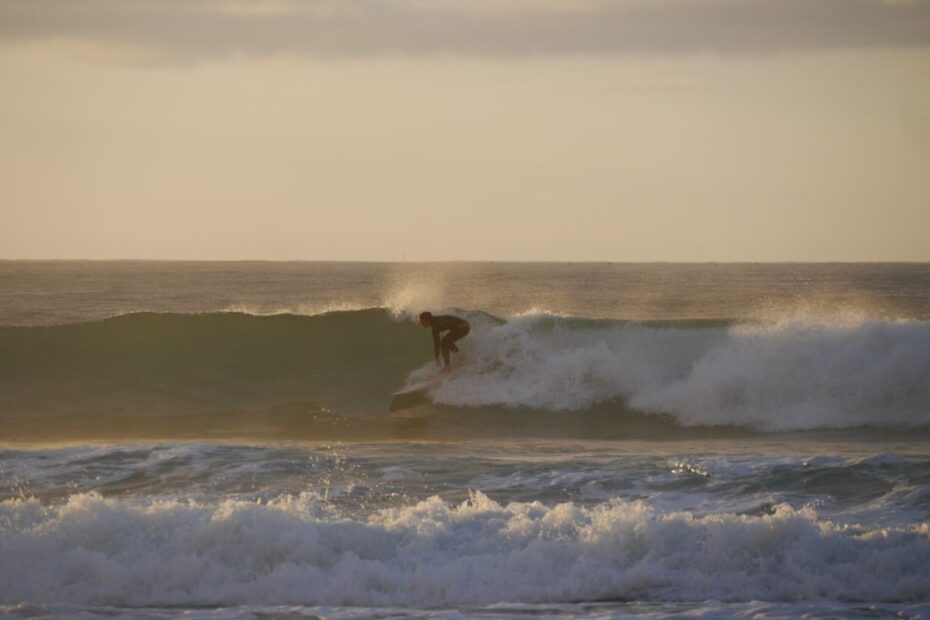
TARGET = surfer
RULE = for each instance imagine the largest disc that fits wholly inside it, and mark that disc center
(457, 328)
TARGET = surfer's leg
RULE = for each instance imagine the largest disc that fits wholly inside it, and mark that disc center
(458, 335)
(448, 341)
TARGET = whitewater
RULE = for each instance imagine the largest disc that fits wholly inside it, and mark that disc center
(215, 440)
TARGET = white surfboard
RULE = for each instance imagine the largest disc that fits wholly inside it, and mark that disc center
(422, 386)
(415, 394)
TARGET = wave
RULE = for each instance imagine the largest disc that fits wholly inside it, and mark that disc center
(295, 550)
(324, 373)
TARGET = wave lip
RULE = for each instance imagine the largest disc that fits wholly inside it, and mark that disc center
(296, 550)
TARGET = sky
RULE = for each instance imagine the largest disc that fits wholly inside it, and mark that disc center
(576, 130)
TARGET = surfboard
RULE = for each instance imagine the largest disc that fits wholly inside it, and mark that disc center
(422, 386)
(415, 394)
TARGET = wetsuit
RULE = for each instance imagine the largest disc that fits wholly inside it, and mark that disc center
(457, 328)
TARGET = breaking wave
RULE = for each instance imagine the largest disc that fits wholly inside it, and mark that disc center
(294, 550)
(785, 376)
(287, 369)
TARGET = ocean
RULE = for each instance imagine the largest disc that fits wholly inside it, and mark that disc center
(218, 440)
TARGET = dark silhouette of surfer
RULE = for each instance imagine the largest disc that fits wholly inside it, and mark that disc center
(457, 328)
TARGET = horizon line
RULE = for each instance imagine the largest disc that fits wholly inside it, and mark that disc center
(472, 261)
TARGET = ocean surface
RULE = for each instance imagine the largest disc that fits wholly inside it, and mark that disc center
(218, 440)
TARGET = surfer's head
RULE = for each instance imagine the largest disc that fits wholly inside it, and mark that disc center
(426, 319)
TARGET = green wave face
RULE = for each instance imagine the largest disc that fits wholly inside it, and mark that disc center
(171, 364)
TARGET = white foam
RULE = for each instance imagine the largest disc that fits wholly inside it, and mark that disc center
(788, 376)
(95, 550)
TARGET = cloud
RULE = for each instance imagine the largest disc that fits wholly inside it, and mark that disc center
(201, 29)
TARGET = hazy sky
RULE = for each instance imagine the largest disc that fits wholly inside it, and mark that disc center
(465, 129)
